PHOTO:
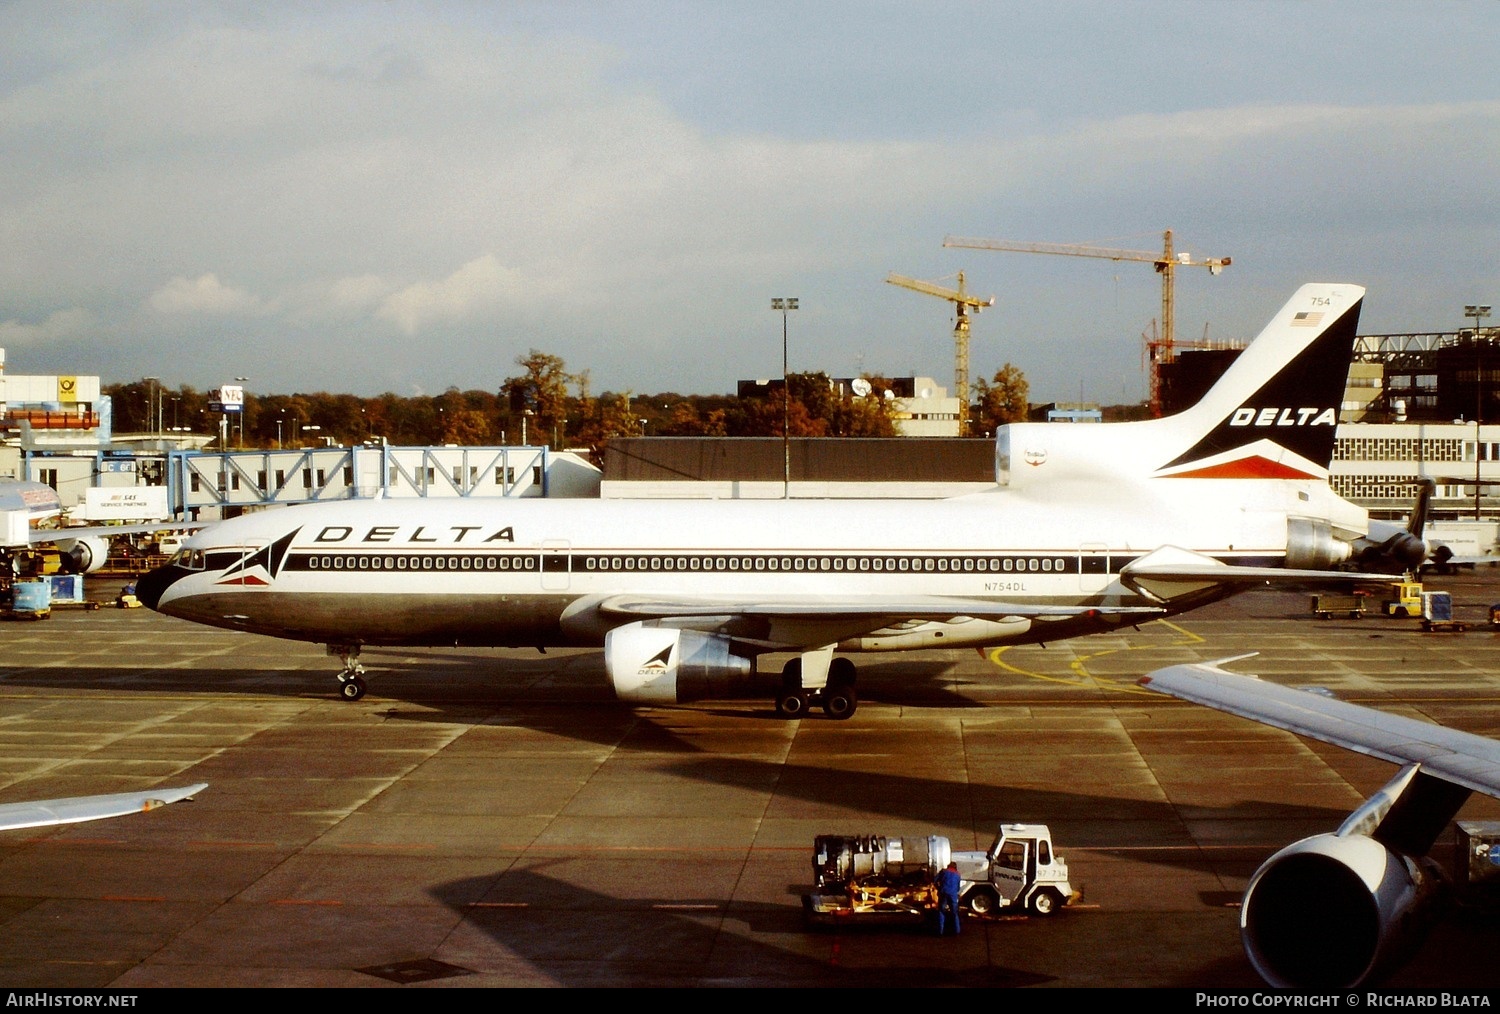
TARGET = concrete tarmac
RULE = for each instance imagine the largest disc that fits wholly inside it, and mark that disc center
(496, 818)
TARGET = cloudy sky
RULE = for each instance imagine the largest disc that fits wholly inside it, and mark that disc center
(407, 196)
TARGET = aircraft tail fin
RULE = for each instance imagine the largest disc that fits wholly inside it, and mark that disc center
(1274, 413)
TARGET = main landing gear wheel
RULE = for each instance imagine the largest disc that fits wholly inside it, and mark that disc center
(838, 699)
(841, 673)
(840, 702)
(791, 701)
(791, 704)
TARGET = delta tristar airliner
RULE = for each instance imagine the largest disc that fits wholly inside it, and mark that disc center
(1087, 528)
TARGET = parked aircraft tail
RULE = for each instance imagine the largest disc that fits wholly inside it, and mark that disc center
(1272, 415)
(1274, 412)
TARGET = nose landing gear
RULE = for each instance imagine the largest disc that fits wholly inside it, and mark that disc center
(351, 685)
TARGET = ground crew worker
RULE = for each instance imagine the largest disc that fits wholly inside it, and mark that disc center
(947, 888)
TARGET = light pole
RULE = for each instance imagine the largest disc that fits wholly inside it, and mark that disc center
(1478, 312)
(785, 304)
(151, 422)
(244, 407)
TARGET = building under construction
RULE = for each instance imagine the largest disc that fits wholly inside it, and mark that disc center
(1430, 376)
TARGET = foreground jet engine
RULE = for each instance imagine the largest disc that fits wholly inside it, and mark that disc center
(1337, 910)
(1341, 910)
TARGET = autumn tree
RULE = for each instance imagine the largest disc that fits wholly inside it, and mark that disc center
(540, 391)
(687, 420)
(605, 418)
(867, 415)
(1001, 400)
(467, 427)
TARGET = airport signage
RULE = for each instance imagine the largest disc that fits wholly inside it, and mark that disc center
(132, 503)
(229, 398)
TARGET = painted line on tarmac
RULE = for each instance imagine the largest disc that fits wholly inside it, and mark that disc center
(1079, 665)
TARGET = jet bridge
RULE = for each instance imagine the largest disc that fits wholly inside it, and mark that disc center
(199, 480)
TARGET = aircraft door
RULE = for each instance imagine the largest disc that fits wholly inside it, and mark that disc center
(1093, 567)
(556, 564)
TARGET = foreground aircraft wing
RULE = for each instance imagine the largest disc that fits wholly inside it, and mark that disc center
(1459, 757)
(1340, 909)
(77, 809)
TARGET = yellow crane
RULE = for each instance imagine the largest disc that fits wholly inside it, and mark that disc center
(963, 302)
(1167, 262)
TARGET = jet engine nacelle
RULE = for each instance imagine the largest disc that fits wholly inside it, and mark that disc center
(1334, 911)
(85, 555)
(1311, 545)
(1400, 550)
(664, 665)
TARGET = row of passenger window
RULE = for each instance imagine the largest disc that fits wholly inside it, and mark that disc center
(559, 562)
(380, 561)
(827, 564)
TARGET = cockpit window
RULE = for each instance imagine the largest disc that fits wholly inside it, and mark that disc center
(191, 559)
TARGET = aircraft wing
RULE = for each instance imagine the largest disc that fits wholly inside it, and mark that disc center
(804, 621)
(1459, 757)
(917, 607)
(43, 536)
(77, 809)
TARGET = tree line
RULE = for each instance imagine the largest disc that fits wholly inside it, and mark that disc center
(544, 403)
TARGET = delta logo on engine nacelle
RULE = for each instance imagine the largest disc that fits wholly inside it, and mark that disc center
(660, 662)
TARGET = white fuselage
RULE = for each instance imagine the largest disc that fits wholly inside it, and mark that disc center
(502, 572)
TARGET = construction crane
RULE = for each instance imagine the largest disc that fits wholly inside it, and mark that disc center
(1167, 262)
(963, 302)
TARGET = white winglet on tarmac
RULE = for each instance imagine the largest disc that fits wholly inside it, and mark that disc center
(77, 809)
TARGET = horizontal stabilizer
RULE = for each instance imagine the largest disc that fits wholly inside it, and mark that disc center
(1227, 574)
(1171, 571)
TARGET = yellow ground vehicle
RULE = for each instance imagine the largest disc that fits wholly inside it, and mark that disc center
(1405, 600)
